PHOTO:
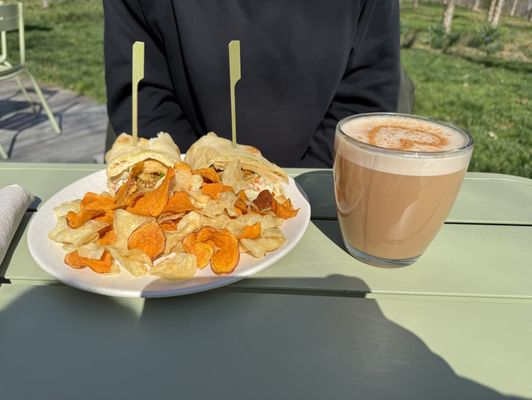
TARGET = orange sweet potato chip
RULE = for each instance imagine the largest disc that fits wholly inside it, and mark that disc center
(100, 266)
(76, 220)
(263, 201)
(284, 210)
(242, 195)
(178, 202)
(108, 238)
(154, 202)
(212, 190)
(209, 175)
(225, 260)
(203, 252)
(168, 225)
(149, 238)
(125, 194)
(189, 241)
(241, 205)
(251, 231)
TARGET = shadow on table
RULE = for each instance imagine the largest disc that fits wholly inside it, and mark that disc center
(58, 342)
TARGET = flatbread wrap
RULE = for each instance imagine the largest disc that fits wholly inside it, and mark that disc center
(156, 155)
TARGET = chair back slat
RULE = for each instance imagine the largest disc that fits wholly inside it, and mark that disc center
(9, 24)
(8, 10)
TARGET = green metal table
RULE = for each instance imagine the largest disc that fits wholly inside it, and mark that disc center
(317, 324)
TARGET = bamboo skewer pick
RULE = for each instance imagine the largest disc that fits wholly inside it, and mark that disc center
(234, 77)
(136, 77)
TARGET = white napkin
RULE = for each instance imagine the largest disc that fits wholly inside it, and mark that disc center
(14, 201)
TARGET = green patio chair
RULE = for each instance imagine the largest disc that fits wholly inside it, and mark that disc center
(11, 19)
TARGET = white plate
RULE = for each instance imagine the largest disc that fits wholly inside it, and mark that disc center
(50, 255)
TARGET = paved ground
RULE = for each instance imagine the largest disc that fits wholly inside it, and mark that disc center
(28, 136)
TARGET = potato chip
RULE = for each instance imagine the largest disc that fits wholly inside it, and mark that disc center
(102, 265)
(63, 208)
(125, 224)
(154, 202)
(135, 261)
(199, 199)
(182, 266)
(88, 232)
(260, 246)
(173, 243)
(209, 175)
(189, 223)
(90, 250)
(149, 238)
(218, 222)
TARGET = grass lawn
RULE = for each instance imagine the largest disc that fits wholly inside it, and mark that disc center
(491, 97)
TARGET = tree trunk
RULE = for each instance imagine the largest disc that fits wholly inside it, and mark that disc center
(491, 10)
(514, 6)
(497, 14)
(476, 6)
(45, 3)
(415, 3)
(448, 12)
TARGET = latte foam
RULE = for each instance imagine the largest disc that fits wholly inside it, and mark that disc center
(406, 134)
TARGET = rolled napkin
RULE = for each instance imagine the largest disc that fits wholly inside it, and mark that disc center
(14, 201)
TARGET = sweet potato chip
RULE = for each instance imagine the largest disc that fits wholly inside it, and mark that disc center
(209, 175)
(168, 225)
(108, 239)
(251, 231)
(179, 202)
(203, 253)
(154, 202)
(149, 238)
(212, 190)
(284, 210)
(182, 266)
(189, 241)
(76, 220)
(263, 201)
(225, 260)
(103, 265)
(126, 193)
(125, 224)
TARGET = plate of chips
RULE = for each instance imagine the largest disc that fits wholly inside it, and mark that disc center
(88, 239)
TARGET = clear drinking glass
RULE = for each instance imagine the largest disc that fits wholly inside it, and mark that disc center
(396, 177)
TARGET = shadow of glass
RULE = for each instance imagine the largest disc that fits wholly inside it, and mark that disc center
(58, 342)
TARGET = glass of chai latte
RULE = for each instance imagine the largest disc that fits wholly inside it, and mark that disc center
(396, 177)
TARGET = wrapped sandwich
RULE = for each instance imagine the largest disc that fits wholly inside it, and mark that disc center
(241, 164)
(156, 155)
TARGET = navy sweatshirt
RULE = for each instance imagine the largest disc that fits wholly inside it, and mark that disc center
(305, 65)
